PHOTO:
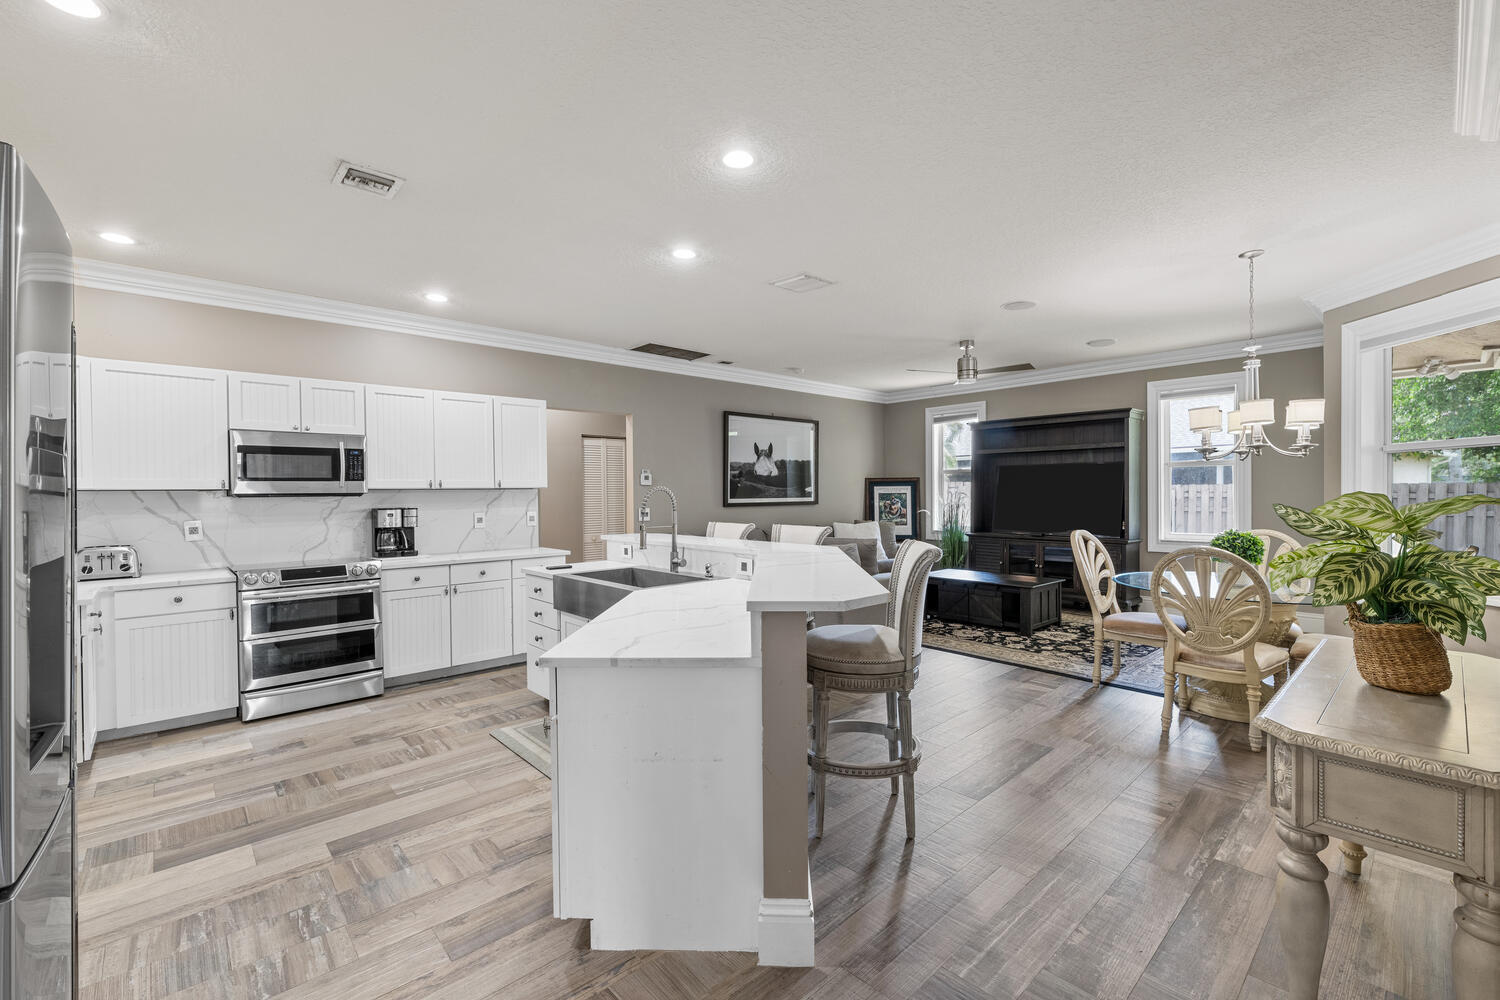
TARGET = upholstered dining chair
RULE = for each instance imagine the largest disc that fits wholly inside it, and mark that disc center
(728, 529)
(1214, 605)
(874, 659)
(1299, 645)
(806, 534)
(1096, 571)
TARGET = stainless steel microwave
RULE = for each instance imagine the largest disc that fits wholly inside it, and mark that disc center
(287, 463)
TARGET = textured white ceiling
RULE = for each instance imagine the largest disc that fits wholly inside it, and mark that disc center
(1105, 159)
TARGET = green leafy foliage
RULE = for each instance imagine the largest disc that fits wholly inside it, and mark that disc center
(1440, 409)
(1243, 544)
(1418, 582)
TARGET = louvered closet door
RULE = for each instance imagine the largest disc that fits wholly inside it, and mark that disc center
(603, 492)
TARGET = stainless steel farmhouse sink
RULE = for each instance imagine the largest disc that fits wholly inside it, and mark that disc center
(590, 594)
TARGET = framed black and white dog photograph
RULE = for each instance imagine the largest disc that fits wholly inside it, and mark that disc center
(769, 460)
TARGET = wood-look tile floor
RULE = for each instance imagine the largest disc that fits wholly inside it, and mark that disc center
(391, 849)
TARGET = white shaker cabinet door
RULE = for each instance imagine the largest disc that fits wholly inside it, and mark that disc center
(520, 442)
(415, 635)
(174, 666)
(482, 621)
(153, 427)
(264, 402)
(398, 438)
(463, 441)
(333, 407)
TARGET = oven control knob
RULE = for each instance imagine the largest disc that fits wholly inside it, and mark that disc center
(356, 570)
(268, 577)
(373, 569)
(249, 579)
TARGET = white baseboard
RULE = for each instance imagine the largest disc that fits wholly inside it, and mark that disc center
(786, 932)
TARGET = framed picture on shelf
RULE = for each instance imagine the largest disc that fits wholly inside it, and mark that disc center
(769, 460)
(894, 500)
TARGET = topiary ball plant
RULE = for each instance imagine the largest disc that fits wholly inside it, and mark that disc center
(1251, 548)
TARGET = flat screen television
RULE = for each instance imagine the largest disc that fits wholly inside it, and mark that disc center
(1059, 498)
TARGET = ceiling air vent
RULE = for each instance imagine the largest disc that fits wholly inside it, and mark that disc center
(680, 353)
(802, 283)
(374, 182)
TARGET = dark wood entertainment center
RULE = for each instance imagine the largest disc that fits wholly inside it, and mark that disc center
(1003, 451)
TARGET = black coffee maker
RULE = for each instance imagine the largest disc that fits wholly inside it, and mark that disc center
(395, 532)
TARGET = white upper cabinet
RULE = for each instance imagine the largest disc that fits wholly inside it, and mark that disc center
(398, 438)
(520, 442)
(333, 407)
(264, 402)
(152, 427)
(283, 403)
(463, 441)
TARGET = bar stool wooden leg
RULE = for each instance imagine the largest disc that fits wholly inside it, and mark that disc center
(909, 778)
(820, 750)
(893, 724)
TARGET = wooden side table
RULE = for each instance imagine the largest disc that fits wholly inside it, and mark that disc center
(1409, 775)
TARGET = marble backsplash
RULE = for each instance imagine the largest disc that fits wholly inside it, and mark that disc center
(249, 531)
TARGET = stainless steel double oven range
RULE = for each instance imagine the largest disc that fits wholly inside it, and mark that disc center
(309, 636)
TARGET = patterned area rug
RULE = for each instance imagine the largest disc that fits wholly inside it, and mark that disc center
(1066, 648)
(530, 741)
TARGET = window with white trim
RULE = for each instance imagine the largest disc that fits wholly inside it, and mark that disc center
(950, 453)
(1190, 500)
(1443, 434)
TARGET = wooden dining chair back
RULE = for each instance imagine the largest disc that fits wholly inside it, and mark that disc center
(1096, 573)
(1214, 606)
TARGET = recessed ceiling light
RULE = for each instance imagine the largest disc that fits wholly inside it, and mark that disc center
(120, 238)
(436, 297)
(1018, 305)
(684, 253)
(78, 8)
(738, 159)
(1102, 342)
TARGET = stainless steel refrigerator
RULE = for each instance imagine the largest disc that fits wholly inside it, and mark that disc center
(36, 592)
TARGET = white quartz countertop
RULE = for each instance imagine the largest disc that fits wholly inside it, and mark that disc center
(455, 558)
(787, 576)
(88, 589)
(578, 567)
(703, 624)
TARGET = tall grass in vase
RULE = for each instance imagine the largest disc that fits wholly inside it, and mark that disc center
(953, 538)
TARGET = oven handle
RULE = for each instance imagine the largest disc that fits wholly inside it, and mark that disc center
(279, 595)
(305, 633)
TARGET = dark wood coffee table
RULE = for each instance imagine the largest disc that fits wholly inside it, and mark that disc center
(999, 600)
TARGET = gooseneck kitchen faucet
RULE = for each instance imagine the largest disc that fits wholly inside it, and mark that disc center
(643, 517)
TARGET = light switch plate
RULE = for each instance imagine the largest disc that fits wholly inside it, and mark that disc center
(531, 518)
(479, 519)
(645, 477)
(192, 530)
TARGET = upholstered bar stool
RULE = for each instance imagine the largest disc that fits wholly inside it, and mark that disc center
(874, 659)
(807, 534)
(728, 529)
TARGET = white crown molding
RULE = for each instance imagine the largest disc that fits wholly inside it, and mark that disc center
(1436, 259)
(1133, 363)
(207, 291)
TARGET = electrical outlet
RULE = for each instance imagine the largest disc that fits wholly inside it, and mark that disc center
(747, 567)
(479, 519)
(645, 477)
(192, 530)
(531, 519)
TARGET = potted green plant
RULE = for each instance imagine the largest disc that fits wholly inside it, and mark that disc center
(1403, 593)
(953, 538)
(1251, 548)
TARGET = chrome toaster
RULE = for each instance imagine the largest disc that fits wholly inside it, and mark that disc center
(107, 562)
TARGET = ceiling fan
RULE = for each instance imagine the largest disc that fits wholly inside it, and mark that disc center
(968, 369)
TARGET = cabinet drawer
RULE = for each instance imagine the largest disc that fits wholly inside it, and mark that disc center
(538, 613)
(538, 588)
(411, 579)
(174, 600)
(485, 572)
(540, 637)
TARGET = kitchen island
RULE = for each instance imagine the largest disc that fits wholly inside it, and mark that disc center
(679, 743)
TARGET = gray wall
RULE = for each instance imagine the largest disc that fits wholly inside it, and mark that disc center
(677, 420)
(562, 501)
(1292, 375)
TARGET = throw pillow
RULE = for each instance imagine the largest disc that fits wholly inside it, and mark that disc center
(861, 529)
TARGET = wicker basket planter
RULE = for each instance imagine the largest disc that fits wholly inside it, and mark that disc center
(1410, 657)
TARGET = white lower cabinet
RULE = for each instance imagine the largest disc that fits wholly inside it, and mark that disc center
(416, 630)
(481, 615)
